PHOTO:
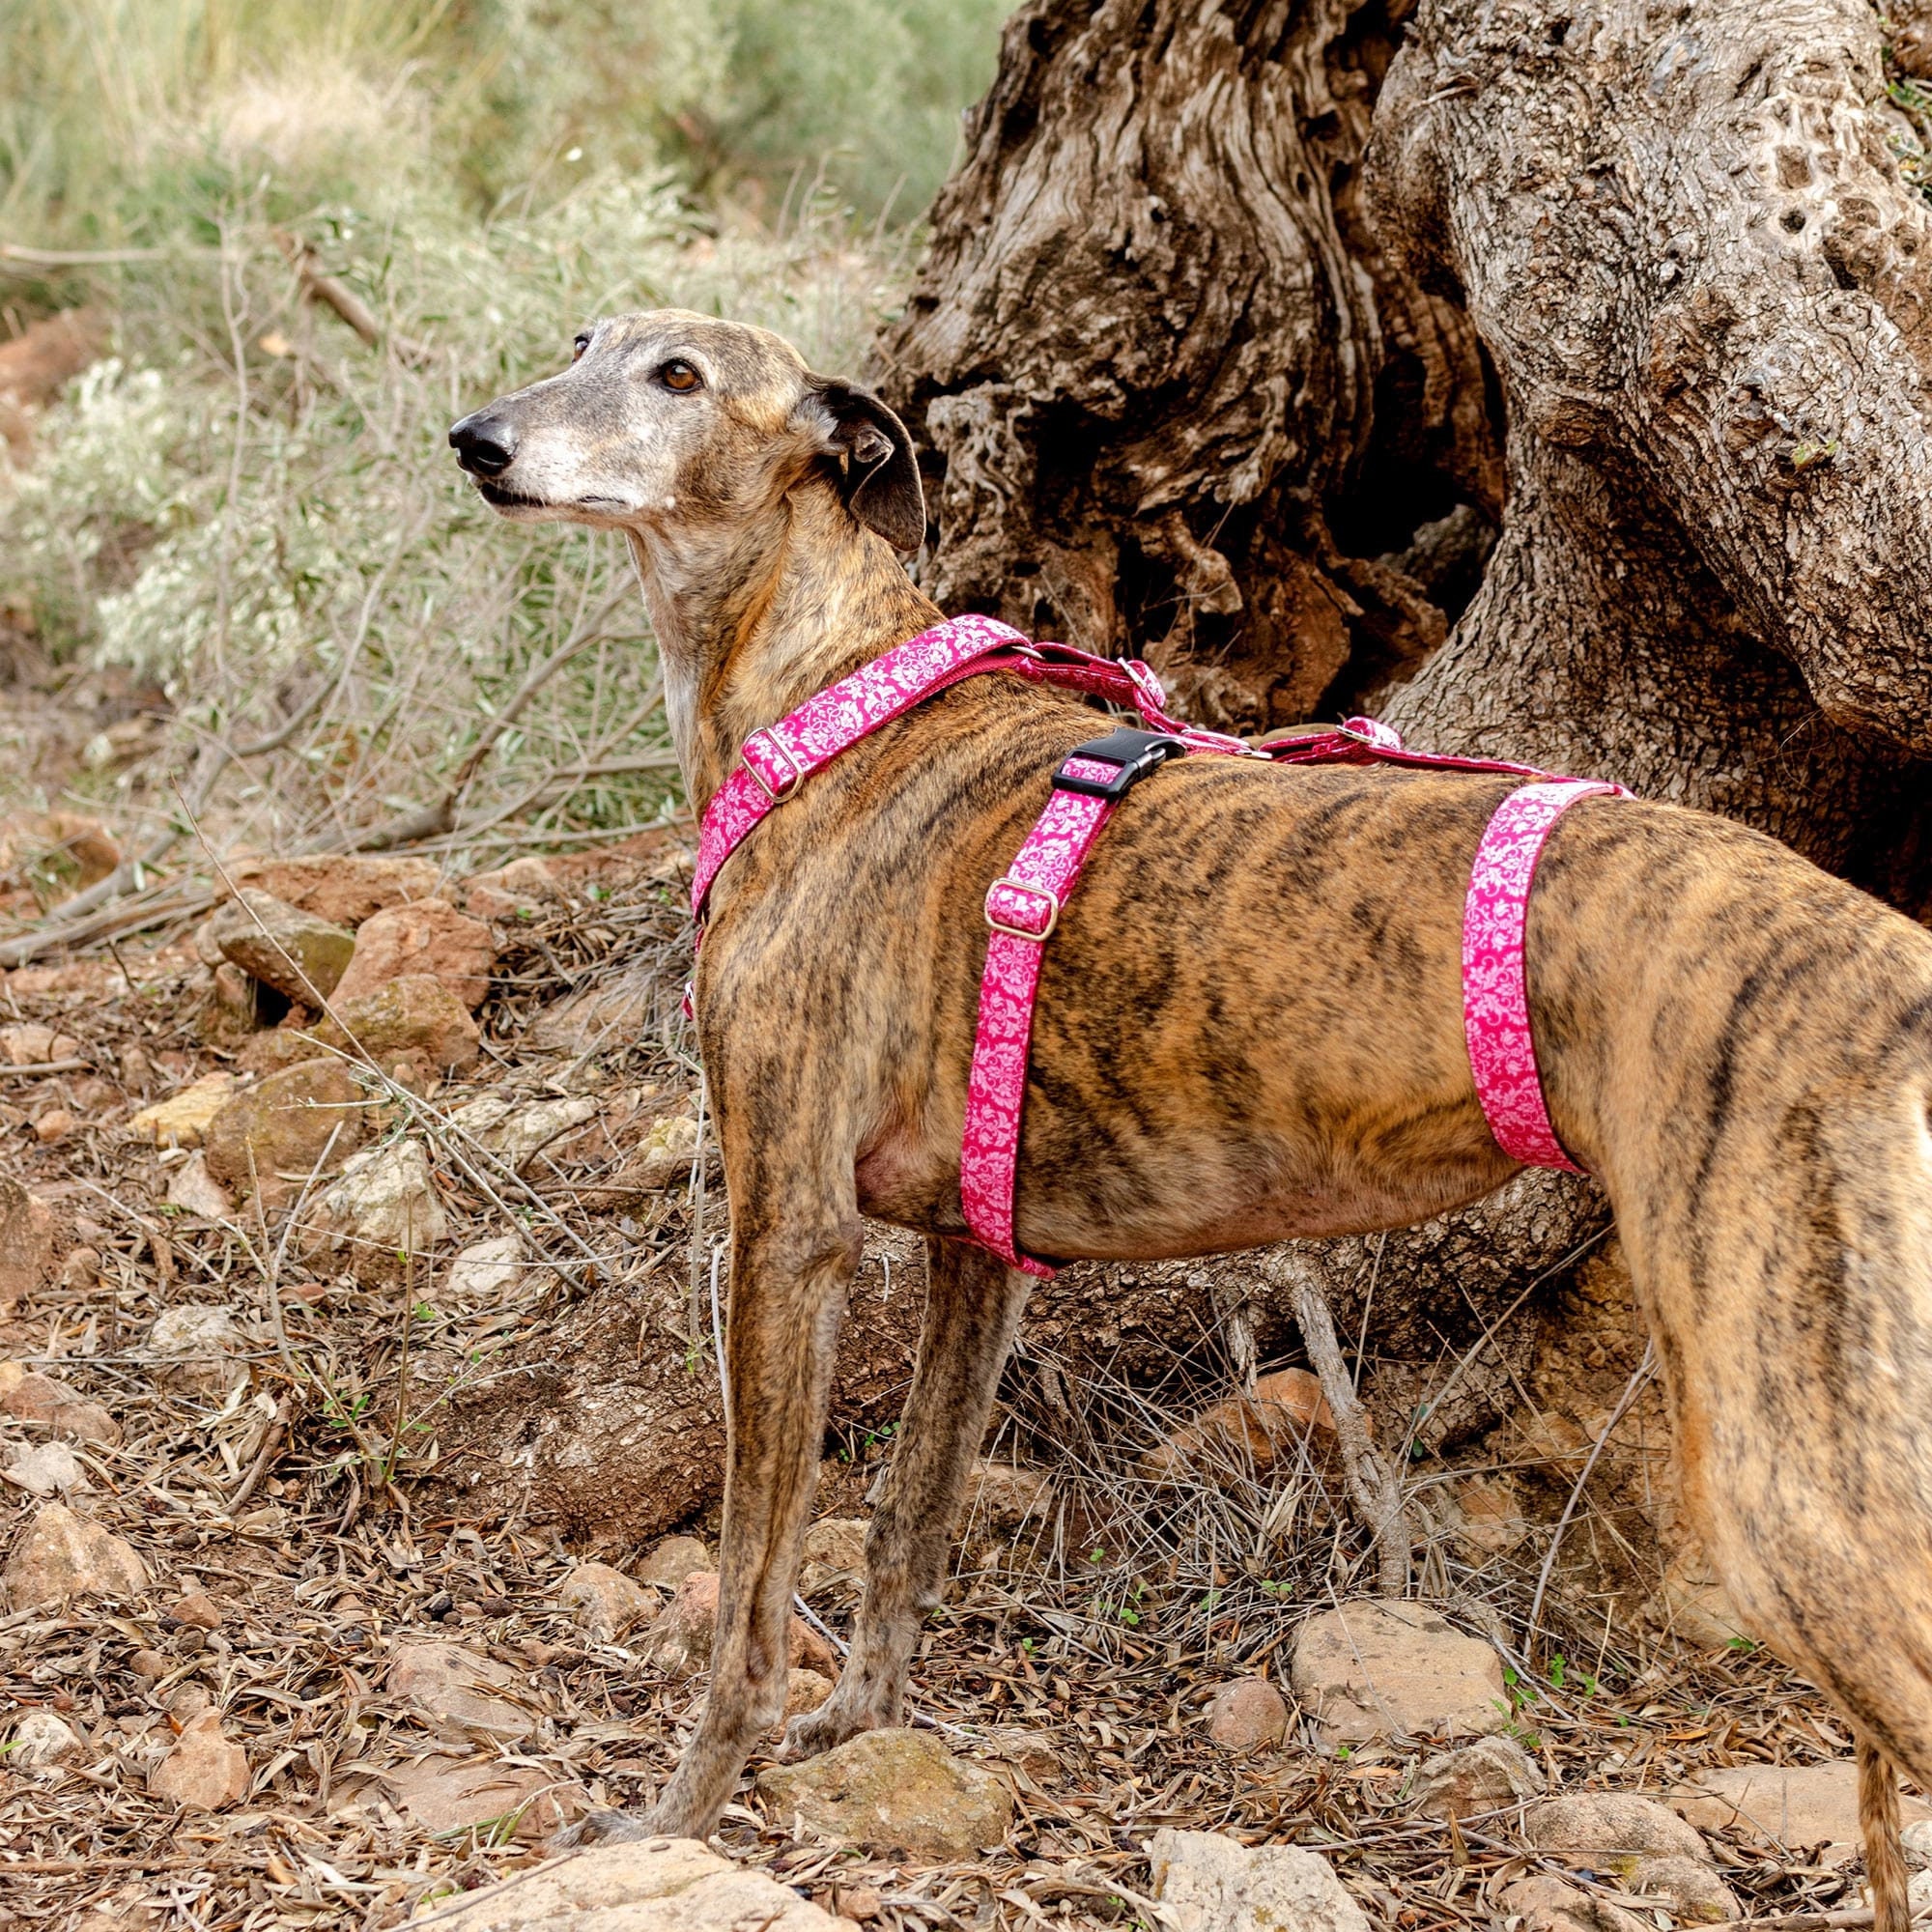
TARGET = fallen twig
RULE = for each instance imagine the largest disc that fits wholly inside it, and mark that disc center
(342, 301)
(1631, 1390)
(1809, 1922)
(94, 258)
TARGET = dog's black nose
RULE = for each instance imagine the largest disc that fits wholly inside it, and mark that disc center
(484, 447)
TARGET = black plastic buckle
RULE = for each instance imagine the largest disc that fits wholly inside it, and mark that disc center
(1134, 754)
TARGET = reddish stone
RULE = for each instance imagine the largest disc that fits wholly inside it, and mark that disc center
(428, 937)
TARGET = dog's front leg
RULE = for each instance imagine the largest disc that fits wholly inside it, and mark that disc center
(972, 1303)
(789, 1278)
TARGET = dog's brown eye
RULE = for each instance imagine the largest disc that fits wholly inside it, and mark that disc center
(679, 376)
(577, 346)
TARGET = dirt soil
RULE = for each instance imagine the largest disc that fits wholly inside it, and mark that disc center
(299, 1526)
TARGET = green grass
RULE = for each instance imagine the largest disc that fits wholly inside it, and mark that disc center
(118, 115)
(255, 511)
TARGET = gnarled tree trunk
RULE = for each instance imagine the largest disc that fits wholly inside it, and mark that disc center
(1241, 323)
(1174, 396)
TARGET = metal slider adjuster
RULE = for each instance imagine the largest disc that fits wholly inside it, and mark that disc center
(773, 748)
(1021, 886)
(1134, 754)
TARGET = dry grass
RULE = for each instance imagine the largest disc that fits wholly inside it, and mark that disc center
(268, 554)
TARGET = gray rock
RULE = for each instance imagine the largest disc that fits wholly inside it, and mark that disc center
(486, 1273)
(1613, 1830)
(48, 1469)
(1692, 1889)
(1545, 1903)
(1374, 1670)
(447, 1794)
(384, 1205)
(896, 1793)
(674, 1559)
(460, 1690)
(1799, 1806)
(60, 1555)
(39, 1738)
(662, 1884)
(805, 1690)
(195, 1191)
(663, 1157)
(605, 1601)
(1211, 1884)
(1003, 1495)
(1487, 1776)
(834, 1563)
(296, 952)
(517, 1133)
(195, 1346)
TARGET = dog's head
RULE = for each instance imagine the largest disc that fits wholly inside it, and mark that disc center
(670, 419)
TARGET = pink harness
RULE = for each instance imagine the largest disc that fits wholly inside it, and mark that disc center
(1024, 906)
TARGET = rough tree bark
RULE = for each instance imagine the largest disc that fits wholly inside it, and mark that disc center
(1201, 328)
(1173, 394)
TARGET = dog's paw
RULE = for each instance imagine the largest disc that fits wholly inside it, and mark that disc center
(812, 1732)
(603, 1827)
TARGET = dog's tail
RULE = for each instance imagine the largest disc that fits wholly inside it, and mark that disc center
(1885, 1856)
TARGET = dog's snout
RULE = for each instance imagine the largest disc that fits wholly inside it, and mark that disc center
(485, 445)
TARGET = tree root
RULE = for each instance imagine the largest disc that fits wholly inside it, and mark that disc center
(1372, 1488)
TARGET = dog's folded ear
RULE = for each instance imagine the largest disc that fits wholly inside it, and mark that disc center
(881, 487)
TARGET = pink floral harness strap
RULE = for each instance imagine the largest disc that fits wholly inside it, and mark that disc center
(1024, 906)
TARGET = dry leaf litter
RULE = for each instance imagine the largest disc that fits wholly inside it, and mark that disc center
(296, 1685)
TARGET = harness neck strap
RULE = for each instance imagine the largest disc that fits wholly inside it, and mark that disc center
(773, 762)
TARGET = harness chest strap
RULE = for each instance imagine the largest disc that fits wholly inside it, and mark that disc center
(1022, 909)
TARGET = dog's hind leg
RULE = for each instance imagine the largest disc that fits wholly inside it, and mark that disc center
(973, 1304)
(790, 1272)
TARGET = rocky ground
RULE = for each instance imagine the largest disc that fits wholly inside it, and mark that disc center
(327, 1604)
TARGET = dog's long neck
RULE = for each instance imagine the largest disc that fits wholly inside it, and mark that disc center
(753, 618)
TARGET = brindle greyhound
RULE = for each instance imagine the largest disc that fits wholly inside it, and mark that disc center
(1250, 1027)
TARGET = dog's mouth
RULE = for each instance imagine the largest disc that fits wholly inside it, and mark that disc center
(500, 498)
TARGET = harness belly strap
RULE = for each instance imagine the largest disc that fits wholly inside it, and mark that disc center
(1496, 989)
